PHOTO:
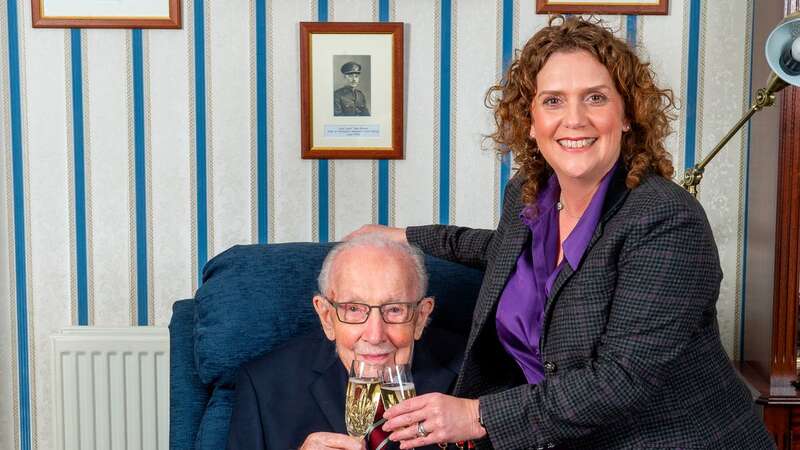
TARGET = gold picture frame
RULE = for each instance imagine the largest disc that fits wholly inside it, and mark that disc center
(656, 7)
(105, 14)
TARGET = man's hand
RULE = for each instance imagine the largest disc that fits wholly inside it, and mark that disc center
(395, 234)
(444, 418)
(325, 441)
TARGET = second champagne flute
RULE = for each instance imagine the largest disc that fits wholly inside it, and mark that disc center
(397, 384)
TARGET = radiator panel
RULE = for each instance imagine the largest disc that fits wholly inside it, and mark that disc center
(111, 388)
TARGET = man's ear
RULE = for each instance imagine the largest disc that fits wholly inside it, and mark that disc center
(424, 311)
(326, 316)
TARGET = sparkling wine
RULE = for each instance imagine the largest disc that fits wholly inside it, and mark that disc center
(361, 403)
(394, 393)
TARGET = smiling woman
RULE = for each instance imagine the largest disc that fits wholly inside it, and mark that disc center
(596, 326)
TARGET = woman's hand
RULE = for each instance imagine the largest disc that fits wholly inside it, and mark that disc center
(395, 234)
(326, 441)
(444, 419)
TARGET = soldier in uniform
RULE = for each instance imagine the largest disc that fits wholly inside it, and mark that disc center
(348, 100)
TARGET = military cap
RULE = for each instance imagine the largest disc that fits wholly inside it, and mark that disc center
(351, 67)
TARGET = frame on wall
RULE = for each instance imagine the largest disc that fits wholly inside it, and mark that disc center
(106, 14)
(351, 90)
(659, 7)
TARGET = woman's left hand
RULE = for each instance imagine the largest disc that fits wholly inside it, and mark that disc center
(443, 418)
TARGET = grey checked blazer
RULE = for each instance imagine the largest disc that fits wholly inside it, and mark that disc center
(630, 341)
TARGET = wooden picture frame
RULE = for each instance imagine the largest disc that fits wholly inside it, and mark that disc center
(655, 7)
(351, 90)
(105, 14)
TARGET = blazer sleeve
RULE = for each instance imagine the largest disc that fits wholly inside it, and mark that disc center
(245, 431)
(668, 277)
(469, 246)
(463, 245)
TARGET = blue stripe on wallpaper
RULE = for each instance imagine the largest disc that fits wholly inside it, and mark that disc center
(383, 10)
(140, 178)
(80, 178)
(630, 30)
(746, 187)
(691, 85)
(19, 228)
(262, 208)
(508, 49)
(323, 179)
(444, 113)
(383, 192)
(200, 135)
(383, 165)
(322, 10)
(322, 184)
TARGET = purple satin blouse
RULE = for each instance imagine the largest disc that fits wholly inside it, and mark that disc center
(521, 307)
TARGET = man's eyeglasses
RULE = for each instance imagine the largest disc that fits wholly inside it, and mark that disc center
(391, 313)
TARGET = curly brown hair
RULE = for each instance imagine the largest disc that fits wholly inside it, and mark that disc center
(647, 107)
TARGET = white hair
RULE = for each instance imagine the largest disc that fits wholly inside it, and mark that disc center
(379, 241)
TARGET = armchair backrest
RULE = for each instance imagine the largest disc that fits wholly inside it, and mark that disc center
(254, 298)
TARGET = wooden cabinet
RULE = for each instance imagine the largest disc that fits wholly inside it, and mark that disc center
(771, 340)
(781, 413)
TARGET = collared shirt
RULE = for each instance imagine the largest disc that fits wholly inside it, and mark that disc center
(520, 311)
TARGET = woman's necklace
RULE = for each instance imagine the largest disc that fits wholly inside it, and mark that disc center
(562, 206)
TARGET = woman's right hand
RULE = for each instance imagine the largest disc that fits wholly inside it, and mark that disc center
(444, 418)
(395, 234)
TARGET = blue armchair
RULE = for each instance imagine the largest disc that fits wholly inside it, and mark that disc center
(253, 298)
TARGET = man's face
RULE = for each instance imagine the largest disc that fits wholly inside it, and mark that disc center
(352, 78)
(374, 277)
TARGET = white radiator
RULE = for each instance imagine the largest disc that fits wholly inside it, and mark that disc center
(111, 388)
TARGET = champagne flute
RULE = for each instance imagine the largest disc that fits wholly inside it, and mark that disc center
(397, 384)
(363, 393)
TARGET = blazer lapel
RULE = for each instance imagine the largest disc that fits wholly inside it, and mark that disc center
(615, 196)
(329, 388)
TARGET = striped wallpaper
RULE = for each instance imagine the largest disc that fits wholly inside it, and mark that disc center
(131, 157)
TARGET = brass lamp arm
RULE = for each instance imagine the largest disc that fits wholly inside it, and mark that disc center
(764, 97)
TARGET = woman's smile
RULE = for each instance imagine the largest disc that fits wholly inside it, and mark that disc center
(579, 144)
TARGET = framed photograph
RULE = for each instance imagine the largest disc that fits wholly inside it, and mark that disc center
(602, 6)
(351, 90)
(106, 13)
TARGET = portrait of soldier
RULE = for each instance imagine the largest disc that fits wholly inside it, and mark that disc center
(348, 100)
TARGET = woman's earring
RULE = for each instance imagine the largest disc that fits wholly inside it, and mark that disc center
(626, 127)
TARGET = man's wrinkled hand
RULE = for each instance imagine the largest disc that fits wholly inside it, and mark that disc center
(325, 441)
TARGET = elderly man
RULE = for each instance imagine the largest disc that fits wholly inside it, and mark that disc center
(348, 100)
(294, 396)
